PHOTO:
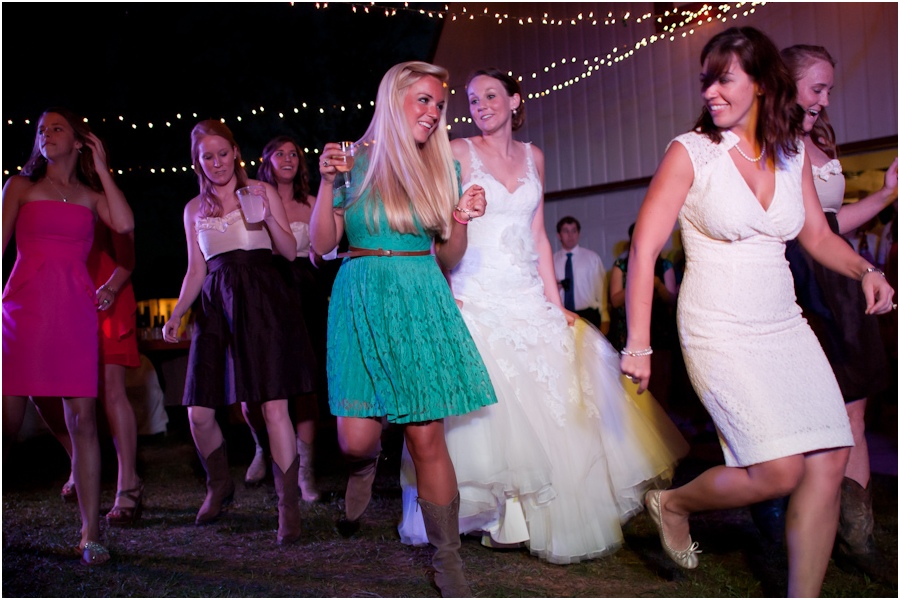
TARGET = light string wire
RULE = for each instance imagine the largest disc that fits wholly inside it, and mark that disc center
(682, 25)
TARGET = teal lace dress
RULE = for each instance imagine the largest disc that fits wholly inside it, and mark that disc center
(397, 344)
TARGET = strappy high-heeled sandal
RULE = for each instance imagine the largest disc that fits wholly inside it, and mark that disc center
(120, 516)
(93, 554)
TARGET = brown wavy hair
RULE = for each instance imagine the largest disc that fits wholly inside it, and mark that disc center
(780, 121)
(210, 204)
(301, 179)
(511, 86)
(799, 59)
(36, 167)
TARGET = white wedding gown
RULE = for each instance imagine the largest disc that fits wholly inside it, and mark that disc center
(565, 441)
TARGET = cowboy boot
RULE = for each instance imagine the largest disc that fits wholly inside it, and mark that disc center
(769, 518)
(219, 485)
(256, 472)
(854, 548)
(442, 528)
(306, 478)
(288, 502)
(358, 494)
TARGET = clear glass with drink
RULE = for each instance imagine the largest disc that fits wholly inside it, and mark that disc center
(345, 163)
(252, 203)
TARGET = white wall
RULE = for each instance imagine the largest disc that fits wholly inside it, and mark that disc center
(614, 125)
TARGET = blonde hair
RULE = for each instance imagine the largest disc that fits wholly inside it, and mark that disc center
(416, 184)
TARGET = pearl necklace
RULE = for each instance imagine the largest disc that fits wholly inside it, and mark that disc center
(65, 198)
(757, 159)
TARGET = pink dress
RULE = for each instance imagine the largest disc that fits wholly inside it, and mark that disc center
(49, 316)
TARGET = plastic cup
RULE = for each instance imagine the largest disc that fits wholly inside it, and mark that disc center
(252, 203)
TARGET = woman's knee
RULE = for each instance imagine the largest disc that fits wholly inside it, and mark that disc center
(780, 477)
(359, 437)
(426, 442)
(200, 416)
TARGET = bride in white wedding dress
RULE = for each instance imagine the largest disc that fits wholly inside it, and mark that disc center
(564, 457)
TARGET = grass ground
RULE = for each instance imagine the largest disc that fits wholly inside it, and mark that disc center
(165, 555)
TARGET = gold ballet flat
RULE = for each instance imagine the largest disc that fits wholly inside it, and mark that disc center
(686, 559)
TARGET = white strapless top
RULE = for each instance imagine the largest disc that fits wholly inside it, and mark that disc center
(217, 235)
(301, 234)
(830, 184)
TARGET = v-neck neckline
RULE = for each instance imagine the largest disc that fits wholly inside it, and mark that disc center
(733, 137)
(520, 181)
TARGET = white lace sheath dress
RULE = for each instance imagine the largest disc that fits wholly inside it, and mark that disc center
(753, 360)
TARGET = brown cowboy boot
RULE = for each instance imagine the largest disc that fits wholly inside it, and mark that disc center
(306, 479)
(442, 528)
(854, 548)
(219, 485)
(288, 502)
(358, 494)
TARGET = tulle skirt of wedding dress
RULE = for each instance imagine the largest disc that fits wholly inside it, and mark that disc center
(567, 444)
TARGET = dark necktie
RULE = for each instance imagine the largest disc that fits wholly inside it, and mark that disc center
(569, 292)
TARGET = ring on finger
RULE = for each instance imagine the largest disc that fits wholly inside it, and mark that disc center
(326, 163)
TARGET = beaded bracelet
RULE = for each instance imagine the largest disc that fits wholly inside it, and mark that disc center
(872, 270)
(645, 352)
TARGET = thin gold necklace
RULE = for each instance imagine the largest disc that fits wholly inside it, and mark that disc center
(757, 159)
(65, 198)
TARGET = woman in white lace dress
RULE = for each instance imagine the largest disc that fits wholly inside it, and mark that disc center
(740, 186)
(562, 459)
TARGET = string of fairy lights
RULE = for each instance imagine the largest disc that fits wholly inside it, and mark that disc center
(675, 24)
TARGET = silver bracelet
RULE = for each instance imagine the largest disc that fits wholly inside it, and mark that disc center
(872, 270)
(645, 352)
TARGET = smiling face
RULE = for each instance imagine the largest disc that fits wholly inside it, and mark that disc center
(490, 104)
(216, 159)
(55, 136)
(814, 91)
(731, 97)
(285, 162)
(423, 104)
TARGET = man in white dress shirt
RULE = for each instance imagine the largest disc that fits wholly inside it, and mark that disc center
(581, 276)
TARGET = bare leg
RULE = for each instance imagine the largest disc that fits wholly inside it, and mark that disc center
(435, 476)
(81, 419)
(205, 429)
(306, 408)
(726, 487)
(439, 501)
(211, 447)
(812, 521)
(253, 416)
(123, 427)
(285, 468)
(360, 442)
(359, 437)
(53, 414)
(858, 468)
(13, 417)
(282, 443)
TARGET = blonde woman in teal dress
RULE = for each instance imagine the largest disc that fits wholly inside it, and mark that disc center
(397, 345)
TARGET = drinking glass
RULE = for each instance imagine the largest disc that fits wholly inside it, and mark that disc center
(344, 164)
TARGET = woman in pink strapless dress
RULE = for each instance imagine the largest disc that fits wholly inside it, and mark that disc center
(49, 313)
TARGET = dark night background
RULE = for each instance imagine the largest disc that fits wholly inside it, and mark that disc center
(150, 62)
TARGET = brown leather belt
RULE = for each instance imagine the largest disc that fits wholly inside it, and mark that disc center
(357, 252)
